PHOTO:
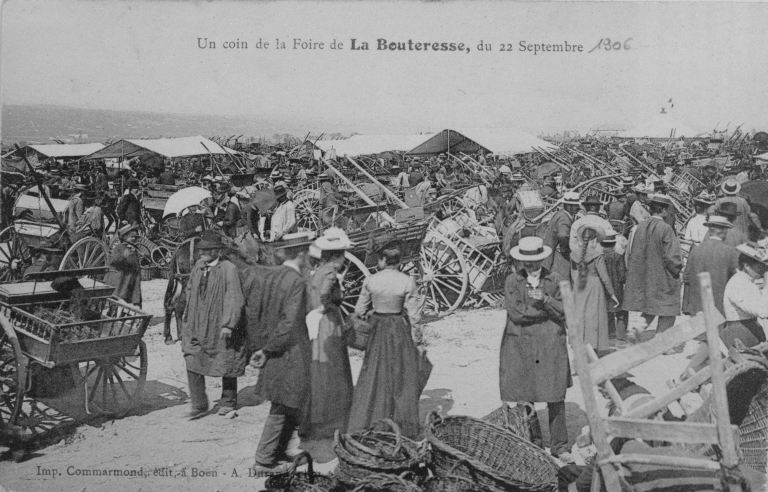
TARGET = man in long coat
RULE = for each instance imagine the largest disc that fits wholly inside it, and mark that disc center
(278, 335)
(715, 257)
(653, 270)
(558, 234)
(534, 355)
(213, 333)
(129, 208)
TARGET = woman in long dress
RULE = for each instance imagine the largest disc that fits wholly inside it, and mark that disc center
(388, 385)
(124, 269)
(591, 286)
(330, 372)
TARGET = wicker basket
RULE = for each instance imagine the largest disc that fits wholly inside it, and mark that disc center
(308, 481)
(453, 482)
(747, 389)
(498, 460)
(364, 453)
(381, 482)
(517, 420)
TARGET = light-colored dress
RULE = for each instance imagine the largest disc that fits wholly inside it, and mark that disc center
(591, 302)
(388, 386)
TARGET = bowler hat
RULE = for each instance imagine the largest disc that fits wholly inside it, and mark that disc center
(592, 200)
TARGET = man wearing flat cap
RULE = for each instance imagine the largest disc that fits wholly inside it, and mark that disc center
(654, 267)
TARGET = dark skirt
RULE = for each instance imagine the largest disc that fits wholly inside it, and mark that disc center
(388, 386)
(748, 331)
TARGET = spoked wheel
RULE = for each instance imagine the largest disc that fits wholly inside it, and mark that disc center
(453, 206)
(14, 255)
(445, 277)
(308, 212)
(13, 370)
(113, 385)
(352, 282)
(88, 252)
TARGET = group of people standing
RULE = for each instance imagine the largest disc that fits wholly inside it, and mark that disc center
(287, 322)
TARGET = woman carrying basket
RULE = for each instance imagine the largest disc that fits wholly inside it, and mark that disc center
(534, 355)
(388, 385)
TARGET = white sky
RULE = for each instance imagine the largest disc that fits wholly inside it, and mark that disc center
(710, 58)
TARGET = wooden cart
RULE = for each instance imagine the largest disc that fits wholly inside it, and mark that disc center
(100, 355)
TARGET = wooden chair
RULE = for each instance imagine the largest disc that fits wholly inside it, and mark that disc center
(634, 424)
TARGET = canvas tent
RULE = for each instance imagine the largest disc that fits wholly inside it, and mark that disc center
(660, 126)
(65, 151)
(165, 147)
(372, 144)
(500, 141)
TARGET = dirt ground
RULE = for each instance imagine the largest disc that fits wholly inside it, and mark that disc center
(214, 453)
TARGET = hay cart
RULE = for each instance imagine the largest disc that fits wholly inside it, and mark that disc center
(49, 356)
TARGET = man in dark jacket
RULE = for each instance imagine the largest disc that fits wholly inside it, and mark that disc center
(713, 256)
(282, 350)
(129, 209)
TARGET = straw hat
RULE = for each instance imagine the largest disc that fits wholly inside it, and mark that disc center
(531, 248)
(517, 177)
(628, 181)
(718, 221)
(662, 199)
(749, 250)
(705, 197)
(571, 198)
(610, 237)
(731, 187)
(333, 239)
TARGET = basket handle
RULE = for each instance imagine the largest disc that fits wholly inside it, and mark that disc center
(362, 447)
(295, 466)
(470, 470)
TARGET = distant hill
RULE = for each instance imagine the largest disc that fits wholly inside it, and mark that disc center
(42, 123)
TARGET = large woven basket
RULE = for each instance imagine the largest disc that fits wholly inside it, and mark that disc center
(498, 460)
(452, 482)
(371, 451)
(747, 389)
(382, 482)
(308, 481)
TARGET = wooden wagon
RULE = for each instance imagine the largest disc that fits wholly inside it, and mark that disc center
(48, 354)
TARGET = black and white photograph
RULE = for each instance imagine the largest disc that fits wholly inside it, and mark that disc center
(383, 246)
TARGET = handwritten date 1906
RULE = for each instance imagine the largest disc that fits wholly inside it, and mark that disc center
(607, 45)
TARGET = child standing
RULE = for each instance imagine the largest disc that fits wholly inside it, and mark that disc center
(617, 272)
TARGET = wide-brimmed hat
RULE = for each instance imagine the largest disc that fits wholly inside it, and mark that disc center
(662, 199)
(705, 197)
(718, 221)
(729, 209)
(210, 240)
(517, 177)
(280, 189)
(531, 248)
(333, 239)
(571, 198)
(731, 187)
(753, 251)
(628, 181)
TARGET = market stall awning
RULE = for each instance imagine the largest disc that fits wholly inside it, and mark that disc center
(500, 141)
(165, 147)
(661, 126)
(58, 151)
(372, 144)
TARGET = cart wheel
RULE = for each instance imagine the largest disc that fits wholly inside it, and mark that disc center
(308, 212)
(352, 282)
(113, 385)
(88, 252)
(444, 275)
(14, 255)
(453, 206)
(13, 370)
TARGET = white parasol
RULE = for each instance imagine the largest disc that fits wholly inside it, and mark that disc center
(185, 198)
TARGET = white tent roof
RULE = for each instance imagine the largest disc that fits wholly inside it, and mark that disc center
(500, 141)
(660, 126)
(67, 150)
(372, 144)
(166, 147)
